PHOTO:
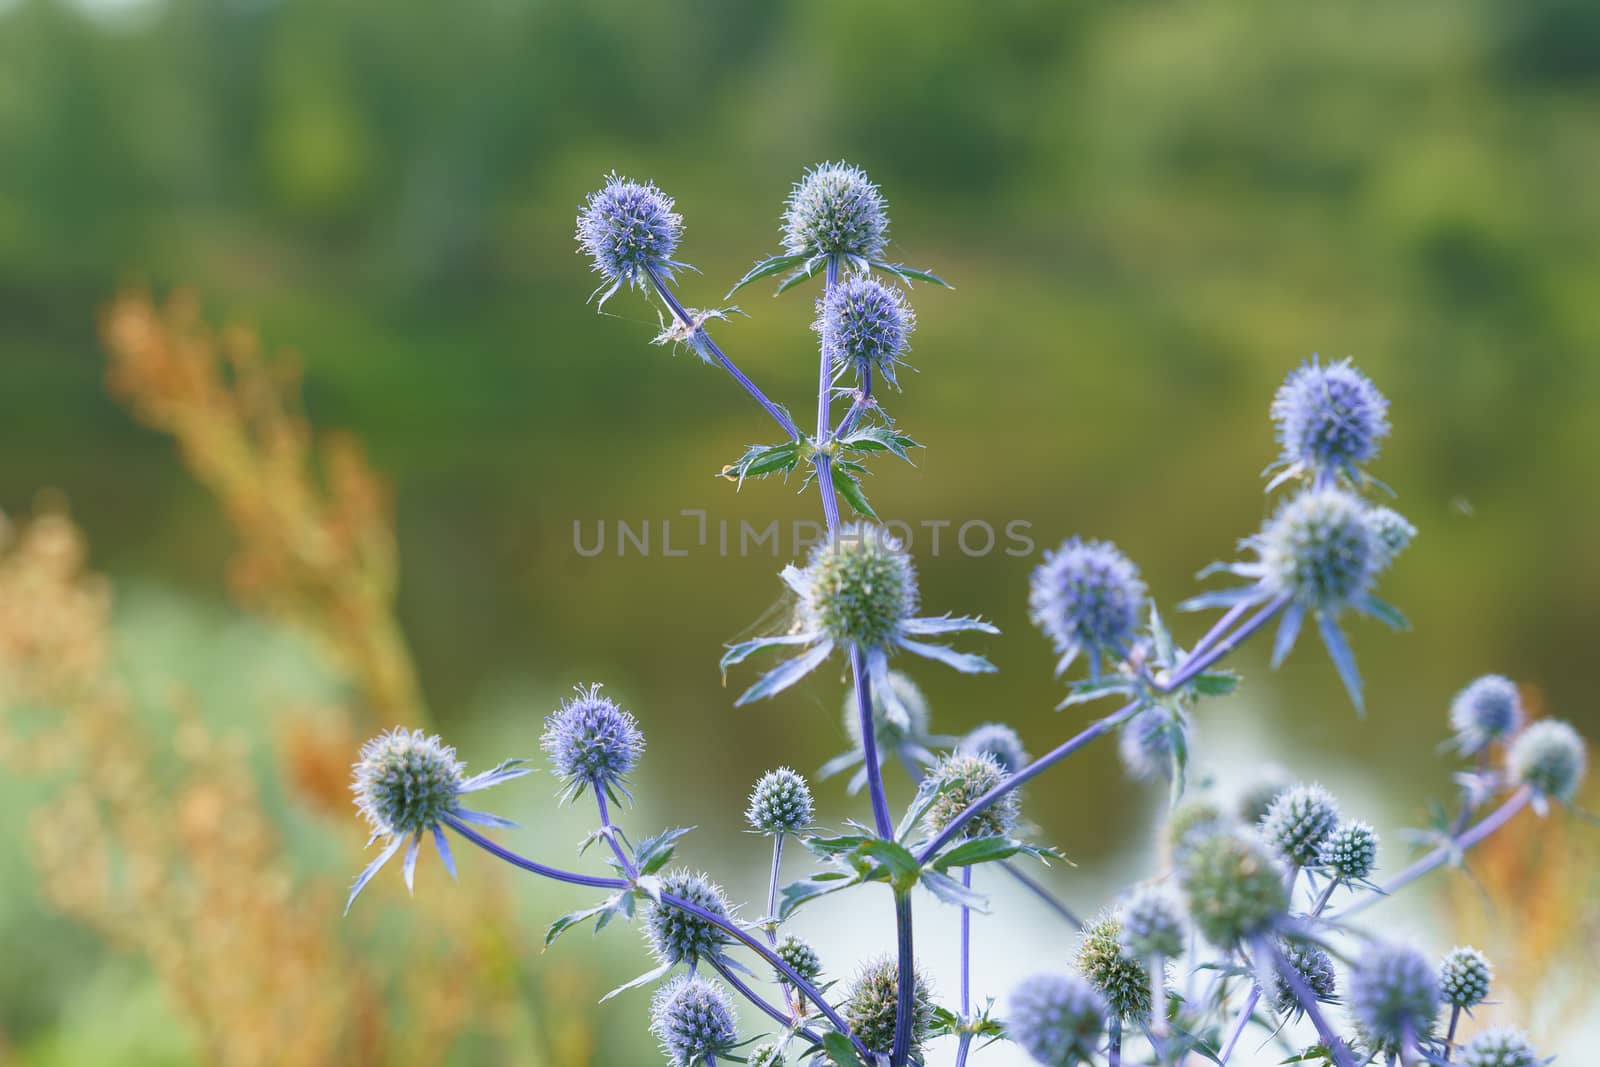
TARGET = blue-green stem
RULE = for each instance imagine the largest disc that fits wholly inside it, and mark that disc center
(966, 973)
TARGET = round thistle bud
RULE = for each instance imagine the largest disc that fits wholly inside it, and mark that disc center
(767, 1056)
(693, 1019)
(780, 803)
(1057, 1019)
(970, 777)
(800, 956)
(905, 717)
(1315, 966)
(1299, 821)
(1487, 710)
(1116, 974)
(997, 740)
(629, 228)
(1086, 597)
(1394, 996)
(835, 210)
(1500, 1047)
(1351, 852)
(858, 588)
(1330, 418)
(592, 742)
(1146, 744)
(1152, 923)
(864, 325)
(1548, 756)
(1464, 977)
(406, 782)
(1192, 818)
(1319, 550)
(676, 935)
(1392, 531)
(1232, 885)
(1253, 803)
(869, 1007)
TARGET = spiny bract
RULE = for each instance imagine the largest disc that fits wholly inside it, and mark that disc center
(780, 803)
(592, 743)
(676, 935)
(767, 1056)
(835, 210)
(693, 1019)
(1116, 974)
(1057, 1019)
(1086, 596)
(970, 777)
(1299, 821)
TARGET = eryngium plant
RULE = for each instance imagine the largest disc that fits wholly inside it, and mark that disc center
(1251, 918)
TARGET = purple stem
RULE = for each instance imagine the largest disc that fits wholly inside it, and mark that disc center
(610, 834)
(700, 336)
(1308, 1003)
(1237, 1030)
(907, 968)
(1038, 890)
(771, 1010)
(863, 401)
(966, 972)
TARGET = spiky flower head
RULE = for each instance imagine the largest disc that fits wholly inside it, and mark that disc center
(835, 210)
(1086, 596)
(1191, 819)
(1489, 709)
(1392, 531)
(1350, 853)
(592, 743)
(1057, 1019)
(1299, 821)
(1152, 923)
(1147, 742)
(694, 1020)
(406, 782)
(1464, 977)
(1315, 967)
(865, 326)
(901, 715)
(1116, 973)
(1394, 996)
(1500, 1047)
(869, 1007)
(997, 740)
(964, 778)
(767, 1056)
(1330, 419)
(780, 803)
(1548, 756)
(1320, 550)
(858, 588)
(676, 935)
(1258, 796)
(1232, 885)
(629, 229)
(800, 956)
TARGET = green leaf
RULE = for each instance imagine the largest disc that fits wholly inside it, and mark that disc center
(840, 1050)
(766, 269)
(809, 270)
(796, 894)
(1180, 760)
(978, 850)
(654, 852)
(879, 439)
(850, 489)
(759, 461)
(928, 792)
(910, 274)
(950, 891)
(1165, 653)
(902, 866)
(576, 918)
(1214, 683)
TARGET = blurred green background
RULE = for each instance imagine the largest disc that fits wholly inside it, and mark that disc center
(1150, 212)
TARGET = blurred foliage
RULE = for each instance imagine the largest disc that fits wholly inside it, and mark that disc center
(1150, 211)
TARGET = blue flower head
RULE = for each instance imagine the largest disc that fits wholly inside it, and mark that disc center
(864, 326)
(694, 1021)
(1464, 977)
(408, 784)
(676, 935)
(1393, 532)
(1488, 710)
(800, 956)
(592, 743)
(1549, 757)
(1330, 419)
(1232, 884)
(1299, 821)
(1394, 996)
(858, 592)
(962, 779)
(1500, 1047)
(1152, 921)
(1315, 968)
(835, 210)
(997, 740)
(781, 803)
(768, 1055)
(1119, 976)
(1350, 853)
(1147, 742)
(1057, 1019)
(1317, 556)
(900, 727)
(1086, 596)
(871, 1007)
(629, 229)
